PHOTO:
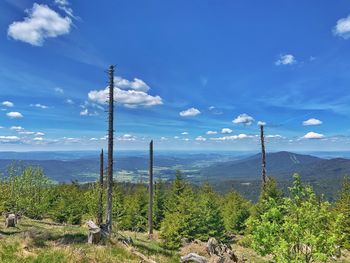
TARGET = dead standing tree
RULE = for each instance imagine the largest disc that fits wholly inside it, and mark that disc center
(263, 156)
(150, 189)
(100, 205)
(110, 151)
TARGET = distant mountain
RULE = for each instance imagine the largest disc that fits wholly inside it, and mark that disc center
(280, 165)
(65, 167)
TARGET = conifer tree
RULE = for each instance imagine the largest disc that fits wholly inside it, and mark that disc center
(343, 207)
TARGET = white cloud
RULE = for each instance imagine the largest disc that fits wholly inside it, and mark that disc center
(211, 132)
(243, 119)
(189, 112)
(176, 137)
(342, 28)
(16, 128)
(286, 59)
(261, 123)
(313, 135)
(127, 137)
(277, 136)
(59, 90)
(9, 139)
(26, 132)
(128, 93)
(233, 137)
(200, 138)
(84, 112)
(7, 104)
(226, 130)
(40, 134)
(136, 84)
(211, 108)
(14, 115)
(62, 2)
(38, 105)
(311, 122)
(93, 139)
(42, 22)
(69, 101)
(163, 138)
(38, 139)
(184, 133)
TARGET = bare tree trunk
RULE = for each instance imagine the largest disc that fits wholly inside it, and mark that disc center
(110, 151)
(100, 206)
(150, 203)
(263, 157)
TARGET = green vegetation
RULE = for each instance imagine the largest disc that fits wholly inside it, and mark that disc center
(299, 226)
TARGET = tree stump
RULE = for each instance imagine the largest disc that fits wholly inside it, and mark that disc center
(10, 220)
(193, 257)
(94, 236)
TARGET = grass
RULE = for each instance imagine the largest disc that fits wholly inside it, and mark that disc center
(37, 242)
(40, 242)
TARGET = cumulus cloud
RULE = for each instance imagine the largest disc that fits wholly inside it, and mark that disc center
(42, 22)
(190, 112)
(342, 28)
(69, 101)
(201, 138)
(243, 119)
(26, 132)
(286, 59)
(184, 133)
(84, 112)
(38, 105)
(233, 137)
(277, 136)
(226, 130)
(128, 93)
(14, 115)
(136, 84)
(40, 134)
(313, 135)
(212, 132)
(59, 90)
(38, 139)
(311, 122)
(7, 139)
(7, 104)
(16, 128)
(127, 137)
(261, 123)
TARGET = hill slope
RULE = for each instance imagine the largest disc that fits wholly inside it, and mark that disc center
(280, 165)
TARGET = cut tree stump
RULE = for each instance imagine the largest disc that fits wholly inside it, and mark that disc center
(94, 236)
(10, 220)
(193, 257)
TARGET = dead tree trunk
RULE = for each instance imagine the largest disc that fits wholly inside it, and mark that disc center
(110, 151)
(263, 157)
(150, 188)
(100, 206)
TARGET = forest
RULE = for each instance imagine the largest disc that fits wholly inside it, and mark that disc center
(296, 227)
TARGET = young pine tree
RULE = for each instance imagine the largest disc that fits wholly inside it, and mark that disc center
(343, 207)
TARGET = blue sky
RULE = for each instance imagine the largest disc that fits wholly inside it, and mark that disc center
(189, 74)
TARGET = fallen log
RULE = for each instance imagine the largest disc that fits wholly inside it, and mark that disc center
(193, 257)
